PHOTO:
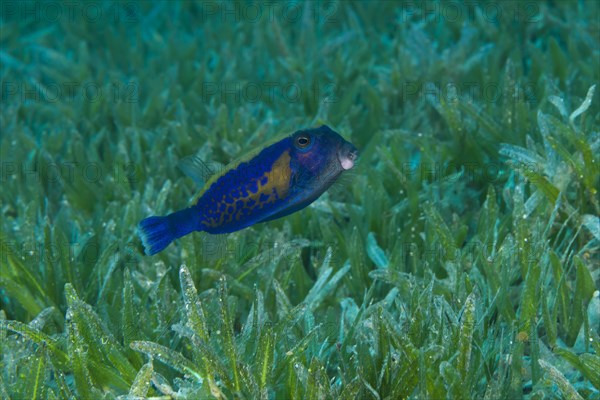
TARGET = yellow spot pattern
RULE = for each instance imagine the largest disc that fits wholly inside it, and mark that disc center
(276, 187)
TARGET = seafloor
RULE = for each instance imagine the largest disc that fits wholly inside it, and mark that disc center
(460, 257)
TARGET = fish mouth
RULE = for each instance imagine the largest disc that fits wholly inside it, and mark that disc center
(347, 156)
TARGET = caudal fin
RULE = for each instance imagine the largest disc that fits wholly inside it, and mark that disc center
(158, 232)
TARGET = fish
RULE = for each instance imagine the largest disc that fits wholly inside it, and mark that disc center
(267, 184)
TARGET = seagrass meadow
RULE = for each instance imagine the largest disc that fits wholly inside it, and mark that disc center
(459, 258)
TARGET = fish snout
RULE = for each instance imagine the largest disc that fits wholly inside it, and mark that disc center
(347, 155)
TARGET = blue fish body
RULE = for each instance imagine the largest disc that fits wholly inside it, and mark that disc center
(280, 179)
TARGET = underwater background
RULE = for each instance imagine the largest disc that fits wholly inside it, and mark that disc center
(460, 257)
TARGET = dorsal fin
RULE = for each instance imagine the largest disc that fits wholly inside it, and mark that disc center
(203, 172)
(197, 169)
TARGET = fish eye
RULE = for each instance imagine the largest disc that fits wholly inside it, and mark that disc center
(302, 141)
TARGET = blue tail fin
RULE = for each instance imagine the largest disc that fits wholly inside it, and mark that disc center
(158, 232)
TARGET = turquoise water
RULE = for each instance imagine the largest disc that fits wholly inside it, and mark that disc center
(458, 258)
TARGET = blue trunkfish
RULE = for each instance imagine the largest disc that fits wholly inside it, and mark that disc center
(270, 183)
